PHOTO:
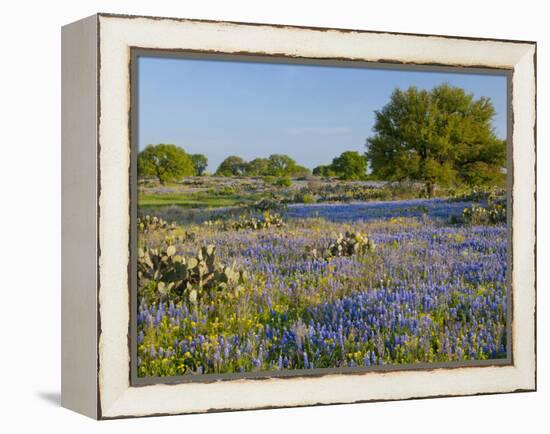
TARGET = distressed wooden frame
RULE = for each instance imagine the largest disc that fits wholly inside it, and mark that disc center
(96, 136)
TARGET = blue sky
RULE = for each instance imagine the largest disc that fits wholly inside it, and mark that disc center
(312, 113)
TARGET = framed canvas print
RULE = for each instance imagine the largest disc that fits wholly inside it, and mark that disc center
(262, 216)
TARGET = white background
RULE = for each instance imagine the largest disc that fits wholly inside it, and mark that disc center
(30, 217)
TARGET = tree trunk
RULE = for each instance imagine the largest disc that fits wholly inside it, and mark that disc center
(430, 189)
(159, 176)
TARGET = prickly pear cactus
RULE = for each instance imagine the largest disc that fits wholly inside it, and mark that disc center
(266, 221)
(493, 213)
(149, 223)
(172, 239)
(162, 272)
(490, 209)
(348, 244)
(497, 213)
(476, 214)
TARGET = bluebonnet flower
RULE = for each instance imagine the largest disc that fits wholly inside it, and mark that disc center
(430, 292)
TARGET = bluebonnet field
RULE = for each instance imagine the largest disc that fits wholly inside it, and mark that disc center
(429, 290)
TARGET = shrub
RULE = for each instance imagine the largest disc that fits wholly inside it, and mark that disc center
(273, 204)
(308, 198)
(303, 196)
(283, 182)
(222, 191)
(344, 192)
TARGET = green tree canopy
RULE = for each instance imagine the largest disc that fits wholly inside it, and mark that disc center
(323, 170)
(300, 171)
(276, 165)
(257, 167)
(164, 162)
(232, 166)
(350, 165)
(280, 165)
(442, 136)
(200, 162)
(283, 165)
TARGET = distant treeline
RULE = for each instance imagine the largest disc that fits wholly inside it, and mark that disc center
(349, 165)
(443, 136)
(275, 165)
(168, 162)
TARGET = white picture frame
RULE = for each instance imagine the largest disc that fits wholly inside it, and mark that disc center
(96, 156)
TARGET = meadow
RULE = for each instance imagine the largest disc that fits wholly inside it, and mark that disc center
(243, 275)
